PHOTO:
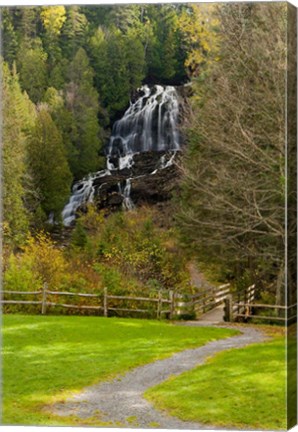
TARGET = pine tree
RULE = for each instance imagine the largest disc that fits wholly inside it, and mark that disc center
(125, 17)
(48, 164)
(119, 62)
(162, 51)
(82, 103)
(32, 68)
(28, 22)
(10, 42)
(74, 31)
(135, 61)
(16, 124)
(65, 122)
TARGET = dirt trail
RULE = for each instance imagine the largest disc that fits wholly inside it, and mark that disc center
(121, 401)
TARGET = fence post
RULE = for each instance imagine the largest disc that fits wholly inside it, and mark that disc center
(44, 299)
(158, 313)
(172, 304)
(105, 302)
(228, 309)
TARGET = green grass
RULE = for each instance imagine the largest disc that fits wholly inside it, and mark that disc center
(292, 377)
(244, 387)
(47, 358)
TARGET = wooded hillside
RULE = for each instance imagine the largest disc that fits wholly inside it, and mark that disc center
(69, 74)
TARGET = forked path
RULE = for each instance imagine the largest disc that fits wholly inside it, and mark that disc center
(121, 401)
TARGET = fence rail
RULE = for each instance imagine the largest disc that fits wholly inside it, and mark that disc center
(106, 302)
(235, 309)
(159, 301)
(21, 292)
(204, 300)
(72, 294)
(169, 305)
(236, 306)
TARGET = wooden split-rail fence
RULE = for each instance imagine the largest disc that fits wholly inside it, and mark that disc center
(242, 306)
(203, 301)
(165, 303)
(239, 306)
(105, 302)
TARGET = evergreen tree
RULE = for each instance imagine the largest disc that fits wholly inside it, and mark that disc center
(135, 61)
(96, 16)
(74, 31)
(82, 103)
(79, 237)
(29, 20)
(48, 164)
(162, 51)
(16, 125)
(32, 68)
(126, 18)
(10, 42)
(119, 62)
(65, 122)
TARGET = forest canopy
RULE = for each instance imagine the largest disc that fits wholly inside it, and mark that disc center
(71, 72)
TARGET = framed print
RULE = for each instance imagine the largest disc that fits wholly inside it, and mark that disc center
(149, 215)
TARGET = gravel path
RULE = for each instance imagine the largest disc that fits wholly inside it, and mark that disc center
(120, 402)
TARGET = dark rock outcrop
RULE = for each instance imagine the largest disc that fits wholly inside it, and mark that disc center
(153, 177)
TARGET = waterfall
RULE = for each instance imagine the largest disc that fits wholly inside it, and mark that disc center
(148, 125)
(82, 193)
(127, 203)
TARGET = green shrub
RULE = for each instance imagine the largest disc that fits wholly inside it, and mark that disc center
(20, 276)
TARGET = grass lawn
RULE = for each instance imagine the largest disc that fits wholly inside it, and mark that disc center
(244, 387)
(47, 357)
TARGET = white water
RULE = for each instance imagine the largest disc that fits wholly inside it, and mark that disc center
(149, 124)
(127, 203)
(82, 193)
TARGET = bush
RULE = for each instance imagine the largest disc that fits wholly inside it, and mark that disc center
(135, 248)
(46, 260)
(19, 275)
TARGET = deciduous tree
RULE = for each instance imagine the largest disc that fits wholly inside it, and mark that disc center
(234, 171)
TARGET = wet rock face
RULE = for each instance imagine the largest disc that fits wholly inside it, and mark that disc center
(152, 177)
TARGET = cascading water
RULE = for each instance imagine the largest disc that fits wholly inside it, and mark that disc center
(127, 203)
(148, 125)
(82, 192)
